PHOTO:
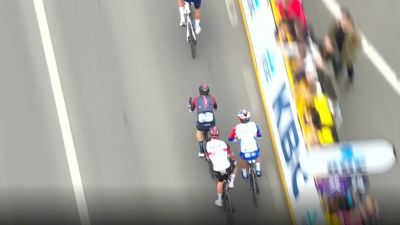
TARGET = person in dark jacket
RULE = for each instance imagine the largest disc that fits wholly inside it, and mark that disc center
(346, 40)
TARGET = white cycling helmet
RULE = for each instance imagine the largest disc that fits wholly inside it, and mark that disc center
(244, 115)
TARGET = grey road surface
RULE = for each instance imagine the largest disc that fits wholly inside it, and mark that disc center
(371, 107)
(35, 186)
(127, 74)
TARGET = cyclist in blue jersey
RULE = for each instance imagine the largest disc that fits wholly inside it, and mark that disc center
(197, 13)
(204, 104)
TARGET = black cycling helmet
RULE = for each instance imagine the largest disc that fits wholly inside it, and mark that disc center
(204, 89)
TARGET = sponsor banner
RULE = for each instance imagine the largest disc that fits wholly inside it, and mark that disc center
(361, 157)
(302, 194)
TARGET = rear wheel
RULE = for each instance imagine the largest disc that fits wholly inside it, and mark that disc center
(253, 187)
(228, 207)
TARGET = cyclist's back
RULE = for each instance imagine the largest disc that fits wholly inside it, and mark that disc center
(247, 133)
(217, 151)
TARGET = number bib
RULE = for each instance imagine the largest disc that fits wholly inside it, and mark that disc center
(206, 117)
(205, 120)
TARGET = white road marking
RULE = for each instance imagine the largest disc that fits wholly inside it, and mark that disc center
(369, 50)
(230, 5)
(62, 113)
(249, 82)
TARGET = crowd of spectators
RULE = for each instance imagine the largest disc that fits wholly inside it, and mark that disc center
(316, 64)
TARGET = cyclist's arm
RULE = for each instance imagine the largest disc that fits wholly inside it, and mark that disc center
(232, 135)
(258, 132)
(231, 154)
(193, 104)
(215, 103)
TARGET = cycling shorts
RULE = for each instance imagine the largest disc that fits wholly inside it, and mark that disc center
(222, 175)
(197, 3)
(250, 155)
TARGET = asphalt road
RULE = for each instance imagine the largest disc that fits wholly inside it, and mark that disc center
(34, 177)
(126, 74)
(371, 107)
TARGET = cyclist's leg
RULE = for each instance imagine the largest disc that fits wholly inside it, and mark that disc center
(232, 175)
(244, 165)
(181, 4)
(258, 164)
(220, 186)
(200, 138)
(197, 15)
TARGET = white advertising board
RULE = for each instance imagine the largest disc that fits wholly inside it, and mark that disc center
(360, 157)
(287, 134)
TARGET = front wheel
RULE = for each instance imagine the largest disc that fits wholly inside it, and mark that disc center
(192, 42)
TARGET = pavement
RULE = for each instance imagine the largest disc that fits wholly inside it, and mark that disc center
(370, 107)
(126, 74)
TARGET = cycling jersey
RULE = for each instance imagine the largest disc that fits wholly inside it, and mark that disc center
(204, 105)
(247, 134)
(218, 151)
(197, 3)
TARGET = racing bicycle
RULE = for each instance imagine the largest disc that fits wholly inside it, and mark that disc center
(190, 32)
(227, 201)
(253, 181)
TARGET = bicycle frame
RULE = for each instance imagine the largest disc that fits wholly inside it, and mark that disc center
(228, 206)
(253, 180)
(252, 164)
(189, 22)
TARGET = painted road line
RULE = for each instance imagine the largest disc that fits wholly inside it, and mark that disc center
(62, 113)
(230, 5)
(369, 50)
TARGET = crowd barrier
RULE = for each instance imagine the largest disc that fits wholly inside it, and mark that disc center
(280, 106)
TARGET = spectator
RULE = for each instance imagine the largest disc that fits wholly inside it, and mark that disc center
(346, 40)
(292, 11)
(308, 61)
(370, 210)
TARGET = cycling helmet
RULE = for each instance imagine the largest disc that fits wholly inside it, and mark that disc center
(204, 89)
(244, 115)
(213, 132)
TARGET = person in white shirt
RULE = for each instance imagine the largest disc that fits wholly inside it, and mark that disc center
(247, 131)
(223, 161)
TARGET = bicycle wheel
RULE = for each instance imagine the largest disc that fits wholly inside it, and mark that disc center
(210, 169)
(256, 185)
(192, 41)
(228, 207)
(209, 163)
(253, 186)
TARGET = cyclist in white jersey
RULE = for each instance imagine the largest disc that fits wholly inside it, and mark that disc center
(247, 131)
(223, 160)
(197, 13)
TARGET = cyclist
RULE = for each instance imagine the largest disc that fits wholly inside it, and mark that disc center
(223, 160)
(197, 13)
(247, 132)
(204, 105)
